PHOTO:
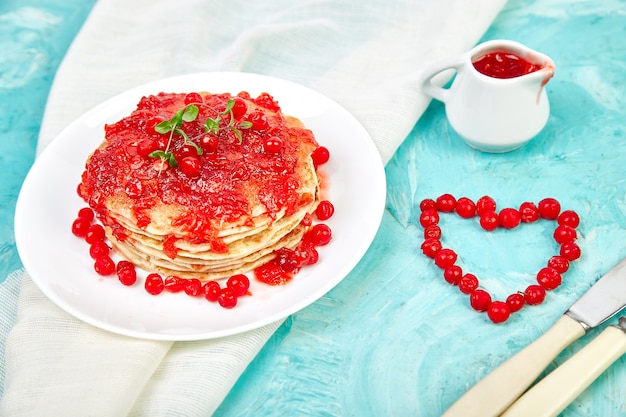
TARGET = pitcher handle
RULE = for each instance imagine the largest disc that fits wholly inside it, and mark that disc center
(436, 68)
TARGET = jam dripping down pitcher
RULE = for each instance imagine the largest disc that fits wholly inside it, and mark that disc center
(497, 100)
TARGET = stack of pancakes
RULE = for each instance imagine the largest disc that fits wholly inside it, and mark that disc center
(245, 204)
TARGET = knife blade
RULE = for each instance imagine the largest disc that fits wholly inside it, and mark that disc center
(498, 390)
(556, 391)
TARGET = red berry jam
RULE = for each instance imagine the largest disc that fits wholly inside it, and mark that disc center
(503, 64)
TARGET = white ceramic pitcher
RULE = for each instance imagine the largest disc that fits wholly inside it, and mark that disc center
(494, 114)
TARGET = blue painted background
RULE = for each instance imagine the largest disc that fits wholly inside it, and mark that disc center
(393, 338)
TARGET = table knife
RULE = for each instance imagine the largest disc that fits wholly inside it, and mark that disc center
(556, 391)
(498, 390)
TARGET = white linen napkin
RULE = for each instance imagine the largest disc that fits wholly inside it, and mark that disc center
(366, 55)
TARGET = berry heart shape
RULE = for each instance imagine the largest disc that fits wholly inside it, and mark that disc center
(548, 278)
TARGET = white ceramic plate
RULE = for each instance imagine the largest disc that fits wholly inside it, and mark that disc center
(60, 265)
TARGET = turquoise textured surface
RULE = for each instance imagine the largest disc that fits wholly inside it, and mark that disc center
(34, 36)
(393, 339)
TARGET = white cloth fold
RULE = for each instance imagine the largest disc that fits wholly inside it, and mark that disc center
(366, 55)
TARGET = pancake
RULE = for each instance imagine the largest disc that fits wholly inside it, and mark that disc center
(205, 195)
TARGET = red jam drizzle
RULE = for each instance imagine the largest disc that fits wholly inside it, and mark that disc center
(504, 64)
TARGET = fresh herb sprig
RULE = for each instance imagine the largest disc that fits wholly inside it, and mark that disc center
(213, 125)
(173, 127)
(189, 114)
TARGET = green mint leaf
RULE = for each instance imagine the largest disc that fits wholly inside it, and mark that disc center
(212, 125)
(237, 133)
(164, 127)
(177, 120)
(171, 159)
(182, 133)
(165, 156)
(157, 154)
(229, 106)
(191, 113)
(244, 125)
(197, 148)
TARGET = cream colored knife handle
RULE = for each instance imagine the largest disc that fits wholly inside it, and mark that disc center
(556, 391)
(498, 390)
